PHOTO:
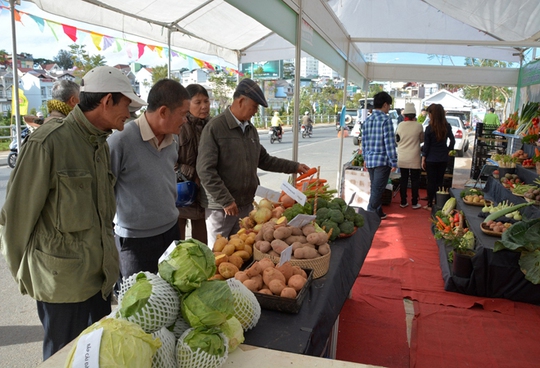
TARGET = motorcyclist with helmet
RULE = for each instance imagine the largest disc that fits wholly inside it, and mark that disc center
(307, 122)
(277, 123)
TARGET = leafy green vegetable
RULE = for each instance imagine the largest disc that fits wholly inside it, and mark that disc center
(123, 344)
(209, 305)
(207, 339)
(136, 296)
(189, 264)
(524, 237)
(232, 328)
(336, 216)
(346, 227)
(322, 214)
(358, 220)
(339, 201)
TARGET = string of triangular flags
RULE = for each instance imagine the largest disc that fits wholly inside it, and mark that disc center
(103, 42)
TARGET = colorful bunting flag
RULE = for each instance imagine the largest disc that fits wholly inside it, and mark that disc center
(140, 47)
(70, 31)
(23, 102)
(96, 39)
(39, 21)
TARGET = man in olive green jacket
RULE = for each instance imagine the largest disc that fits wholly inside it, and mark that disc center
(56, 224)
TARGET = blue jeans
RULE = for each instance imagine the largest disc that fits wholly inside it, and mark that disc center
(379, 178)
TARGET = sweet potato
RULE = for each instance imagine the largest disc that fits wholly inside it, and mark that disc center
(241, 276)
(263, 246)
(297, 245)
(251, 284)
(306, 253)
(317, 238)
(286, 269)
(308, 229)
(270, 274)
(296, 238)
(259, 236)
(255, 269)
(297, 270)
(274, 254)
(296, 230)
(278, 245)
(265, 291)
(220, 243)
(324, 249)
(221, 258)
(259, 280)
(236, 260)
(288, 292)
(227, 270)
(265, 263)
(282, 232)
(276, 286)
(297, 282)
(268, 235)
(280, 222)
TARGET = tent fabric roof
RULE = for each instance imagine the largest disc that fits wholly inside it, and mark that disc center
(258, 30)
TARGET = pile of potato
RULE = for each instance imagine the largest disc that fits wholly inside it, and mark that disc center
(307, 242)
(264, 277)
(232, 253)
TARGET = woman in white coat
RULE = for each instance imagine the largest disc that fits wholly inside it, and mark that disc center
(409, 136)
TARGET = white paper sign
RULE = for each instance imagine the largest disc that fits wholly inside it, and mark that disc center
(301, 220)
(87, 351)
(294, 193)
(269, 194)
(285, 255)
(168, 251)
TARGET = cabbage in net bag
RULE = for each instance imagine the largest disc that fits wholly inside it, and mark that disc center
(148, 300)
(179, 326)
(202, 347)
(165, 356)
(246, 306)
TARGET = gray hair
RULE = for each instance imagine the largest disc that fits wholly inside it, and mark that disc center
(63, 90)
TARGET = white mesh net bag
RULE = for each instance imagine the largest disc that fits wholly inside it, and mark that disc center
(189, 357)
(179, 326)
(148, 300)
(165, 356)
(246, 306)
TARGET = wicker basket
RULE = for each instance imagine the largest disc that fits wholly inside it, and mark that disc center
(319, 265)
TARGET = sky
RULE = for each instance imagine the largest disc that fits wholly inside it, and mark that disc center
(30, 39)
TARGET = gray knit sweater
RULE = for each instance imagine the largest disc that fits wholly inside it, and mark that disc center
(145, 186)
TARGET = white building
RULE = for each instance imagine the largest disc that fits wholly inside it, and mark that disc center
(309, 67)
(198, 76)
(143, 78)
(37, 88)
(326, 71)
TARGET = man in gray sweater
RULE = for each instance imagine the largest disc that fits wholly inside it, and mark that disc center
(229, 155)
(143, 157)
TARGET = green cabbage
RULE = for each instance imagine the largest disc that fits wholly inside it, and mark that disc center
(123, 344)
(189, 264)
(136, 296)
(232, 328)
(209, 305)
(207, 339)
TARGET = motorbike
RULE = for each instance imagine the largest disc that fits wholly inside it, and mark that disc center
(14, 149)
(307, 131)
(275, 134)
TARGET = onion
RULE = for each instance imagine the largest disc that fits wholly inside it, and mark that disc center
(262, 215)
(266, 204)
(246, 223)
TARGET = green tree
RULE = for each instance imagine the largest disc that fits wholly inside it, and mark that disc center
(3, 57)
(63, 59)
(83, 61)
(160, 72)
(222, 88)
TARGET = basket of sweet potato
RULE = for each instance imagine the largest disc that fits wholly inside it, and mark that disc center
(310, 248)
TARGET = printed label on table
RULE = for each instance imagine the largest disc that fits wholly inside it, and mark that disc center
(87, 351)
(168, 251)
(269, 194)
(294, 193)
(301, 220)
(285, 255)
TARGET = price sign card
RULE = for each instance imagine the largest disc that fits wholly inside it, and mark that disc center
(294, 193)
(269, 194)
(301, 220)
(87, 351)
(285, 255)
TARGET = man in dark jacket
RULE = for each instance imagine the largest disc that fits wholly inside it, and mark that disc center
(229, 155)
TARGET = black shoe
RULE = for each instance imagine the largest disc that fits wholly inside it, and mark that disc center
(383, 216)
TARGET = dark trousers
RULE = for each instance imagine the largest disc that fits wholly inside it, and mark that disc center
(414, 174)
(435, 179)
(142, 254)
(63, 322)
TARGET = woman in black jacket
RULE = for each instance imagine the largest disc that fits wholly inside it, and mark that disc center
(438, 142)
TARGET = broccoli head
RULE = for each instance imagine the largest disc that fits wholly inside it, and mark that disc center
(321, 203)
(328, 225)
(358, 220)
(334, 206)
(339, 201)
(349, 213)
(336, 216)
(346, 227)
(322, 214)
(289, 213)
(298, 208)
(308, 208)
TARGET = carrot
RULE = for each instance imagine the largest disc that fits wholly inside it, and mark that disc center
(308, 173)
(441, 221)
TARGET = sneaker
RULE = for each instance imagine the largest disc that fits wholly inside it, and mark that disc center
(416, 206)
(403, 205)
(382, 216)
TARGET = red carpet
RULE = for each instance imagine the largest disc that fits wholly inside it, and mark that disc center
(449, 329)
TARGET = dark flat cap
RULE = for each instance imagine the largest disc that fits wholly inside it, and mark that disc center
(249, 88)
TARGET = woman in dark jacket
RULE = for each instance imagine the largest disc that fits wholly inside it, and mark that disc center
(438, 142)
(189, 137)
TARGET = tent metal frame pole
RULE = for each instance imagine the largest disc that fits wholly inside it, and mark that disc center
(343, 129)
(14, 61)
(297, 58)
(169, 53)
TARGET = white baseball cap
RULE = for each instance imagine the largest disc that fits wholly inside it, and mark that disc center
(106, 79)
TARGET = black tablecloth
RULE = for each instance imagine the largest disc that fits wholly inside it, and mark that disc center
(495, 275)
(527, 175)
(307, 332)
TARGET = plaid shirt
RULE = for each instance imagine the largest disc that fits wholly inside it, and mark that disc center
(379, 141)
